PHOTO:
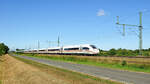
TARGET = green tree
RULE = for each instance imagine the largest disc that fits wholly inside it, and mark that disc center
(3, 49)
(112, 52)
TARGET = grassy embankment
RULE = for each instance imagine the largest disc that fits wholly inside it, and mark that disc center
(1, 60)
(131, 64)
(74, 77)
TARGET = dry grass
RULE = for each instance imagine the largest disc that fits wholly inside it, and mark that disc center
(17, 72)
(14, 71)
(145, 61)
(68, 76)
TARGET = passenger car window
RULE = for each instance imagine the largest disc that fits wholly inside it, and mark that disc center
(71, 49)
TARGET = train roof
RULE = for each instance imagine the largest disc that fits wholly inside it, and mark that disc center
(69, 46)
(55, 48)
(82, 45)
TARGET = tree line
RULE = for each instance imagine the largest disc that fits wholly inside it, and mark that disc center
(3, 49)
(124, 52)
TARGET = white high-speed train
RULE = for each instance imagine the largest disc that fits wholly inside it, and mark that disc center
(75, 49)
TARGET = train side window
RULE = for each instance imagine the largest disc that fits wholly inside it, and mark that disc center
(41, 50)
(85, 48)
(66, 49)
(71, 49)
(53, 49)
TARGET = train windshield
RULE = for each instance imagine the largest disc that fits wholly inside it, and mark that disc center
(94, 47)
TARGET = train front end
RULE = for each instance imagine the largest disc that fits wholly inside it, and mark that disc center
(94, 49)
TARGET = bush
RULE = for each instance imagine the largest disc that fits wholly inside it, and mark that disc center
(3, 49)
(112, 52)
(124, 63)
(146, 54)
(124, 52)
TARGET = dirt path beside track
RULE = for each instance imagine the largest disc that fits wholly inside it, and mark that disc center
(16, 72)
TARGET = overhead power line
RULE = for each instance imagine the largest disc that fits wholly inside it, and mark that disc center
(140, 27)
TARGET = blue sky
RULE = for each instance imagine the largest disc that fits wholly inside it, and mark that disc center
(24, 22)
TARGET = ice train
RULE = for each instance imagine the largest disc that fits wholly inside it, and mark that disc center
(74, 49)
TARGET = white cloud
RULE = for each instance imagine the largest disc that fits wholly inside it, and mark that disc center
(145, 10)
(101, 12)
